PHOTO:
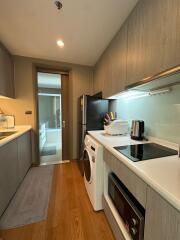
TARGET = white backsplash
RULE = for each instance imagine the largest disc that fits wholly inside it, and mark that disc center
(161, 113)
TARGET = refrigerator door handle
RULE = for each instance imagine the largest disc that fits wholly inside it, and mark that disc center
(63, 124)
(83, 109)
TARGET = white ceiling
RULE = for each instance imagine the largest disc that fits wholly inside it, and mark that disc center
(32, 27)
(49, 80)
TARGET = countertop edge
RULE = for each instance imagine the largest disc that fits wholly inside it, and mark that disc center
(20, 130)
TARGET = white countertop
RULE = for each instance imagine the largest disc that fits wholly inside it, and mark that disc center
(162, 174)
(19, 130)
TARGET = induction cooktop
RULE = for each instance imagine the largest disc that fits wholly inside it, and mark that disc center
(147, 151)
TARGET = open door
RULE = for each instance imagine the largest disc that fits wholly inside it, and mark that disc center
(65, 118)
(53, 117)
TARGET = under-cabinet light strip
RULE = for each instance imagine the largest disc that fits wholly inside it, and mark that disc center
(49, 94)
(133, 94)
(159, 91)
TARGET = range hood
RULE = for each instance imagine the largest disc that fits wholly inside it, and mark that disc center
(162, 80)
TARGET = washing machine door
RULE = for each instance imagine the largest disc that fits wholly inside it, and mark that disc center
(87, 166)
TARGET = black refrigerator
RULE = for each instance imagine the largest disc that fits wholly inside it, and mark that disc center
(91, 113)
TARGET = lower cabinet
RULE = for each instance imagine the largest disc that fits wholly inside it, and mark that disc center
(24, 154)
(162, 220)
(15, 160)
(8, 173)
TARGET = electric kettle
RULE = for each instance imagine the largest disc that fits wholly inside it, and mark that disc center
(137, 130)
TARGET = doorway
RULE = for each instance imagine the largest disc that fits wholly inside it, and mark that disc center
(50, 117)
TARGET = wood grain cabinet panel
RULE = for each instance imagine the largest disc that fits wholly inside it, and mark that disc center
(98, 80)
(6, 73)
(103, 74)
(107, 73)
(15, 160)
(8, 173)
(134, 184)
(153, 38)
(147, 43)
(24, 154)
(118, 58)
(110, 72)
(162, 220)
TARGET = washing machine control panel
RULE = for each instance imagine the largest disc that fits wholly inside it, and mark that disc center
(90, 144)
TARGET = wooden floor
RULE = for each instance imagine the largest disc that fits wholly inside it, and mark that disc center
(70, 214)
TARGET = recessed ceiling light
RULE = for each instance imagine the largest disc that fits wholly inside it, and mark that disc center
(58, 4)
(60, 43)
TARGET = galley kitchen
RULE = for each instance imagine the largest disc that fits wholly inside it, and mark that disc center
(90, 120)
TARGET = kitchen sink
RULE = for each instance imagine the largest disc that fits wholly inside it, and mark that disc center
(6, 134)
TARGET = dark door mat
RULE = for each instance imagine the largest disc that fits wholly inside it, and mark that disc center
(48, 151)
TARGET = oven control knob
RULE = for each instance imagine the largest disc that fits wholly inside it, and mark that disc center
(133, 231)
(134, 221)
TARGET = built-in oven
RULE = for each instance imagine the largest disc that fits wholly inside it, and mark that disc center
(130, 210)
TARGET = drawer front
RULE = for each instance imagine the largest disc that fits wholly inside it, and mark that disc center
(134, 184)
(112, 221)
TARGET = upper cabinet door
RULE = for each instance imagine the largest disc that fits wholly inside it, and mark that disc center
(110, 72)
(119, 58)
(6, 73)
(107, 73)
(102, 74)
(153, 38)
(97, 79)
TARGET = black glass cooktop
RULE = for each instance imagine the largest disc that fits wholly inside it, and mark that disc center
(141, 152)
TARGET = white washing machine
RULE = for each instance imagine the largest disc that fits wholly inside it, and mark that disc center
(93, 171)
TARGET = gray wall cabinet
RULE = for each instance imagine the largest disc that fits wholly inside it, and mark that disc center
(6, 73)
(153, 38)
(15, 160)
(147, 44)
(110, 72)
(119, 57)
(102, 75)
